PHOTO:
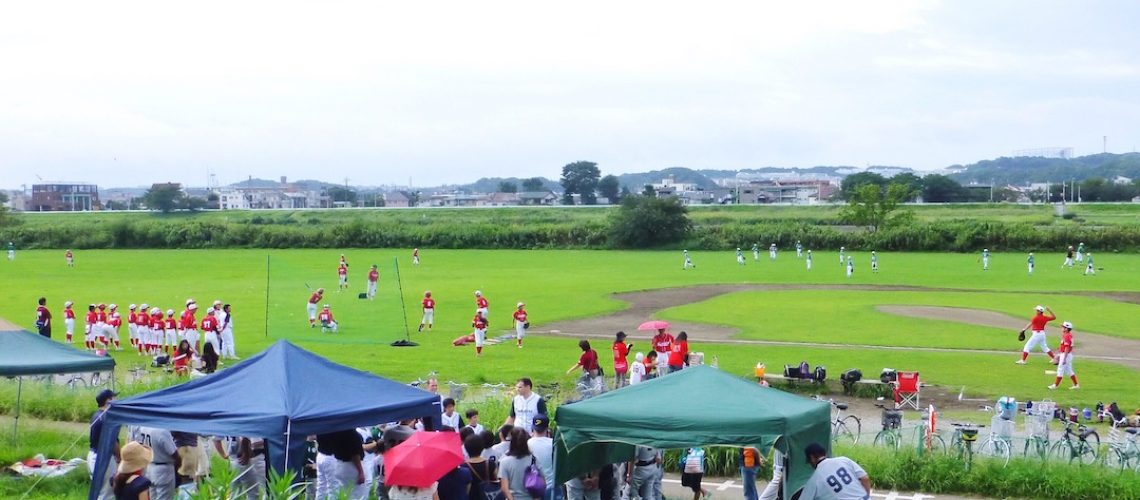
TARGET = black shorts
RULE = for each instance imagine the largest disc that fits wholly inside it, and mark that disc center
(692, 481)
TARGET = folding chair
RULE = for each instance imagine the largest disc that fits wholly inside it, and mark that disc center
(907, 390)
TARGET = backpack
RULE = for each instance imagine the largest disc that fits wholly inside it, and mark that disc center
(533, 480)
(805, 370)
(888, 375)
(791, 371)
(485, 488)
(851, 376)
(820, 373)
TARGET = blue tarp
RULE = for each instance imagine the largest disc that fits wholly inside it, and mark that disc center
(282, 394)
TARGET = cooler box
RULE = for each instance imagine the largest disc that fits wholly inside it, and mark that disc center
(696, 358)
(1006, 407)
(760, 370)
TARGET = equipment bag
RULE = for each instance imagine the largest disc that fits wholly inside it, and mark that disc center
(851, 376)
(791, 371)
(889, 375)
(820, 373)
(805, 370)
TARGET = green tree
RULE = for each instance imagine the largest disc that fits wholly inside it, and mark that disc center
(644, 221)
(609, 187)
(911, 181)
(342, 194)
(194, 203)
(938, 188)
(5, 218)
(533, 184)
(875, 207)
(849, 183)
(164, 197)
(508, 187)
(648, 190)
(581, 178)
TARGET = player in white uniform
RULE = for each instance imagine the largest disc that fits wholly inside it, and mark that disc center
(1080, 251)
(772, 252)
(114, 320)
(521, 323)
(132, 327)
(739, 256)
(229, 350)
(170, 329)
(799, 250)
(142, 328)
(985, 259)
(874, 262)
(69, 319)
(755, 251)
(1065, 357)
(1089, 269)
(838, 478)
(850, 266)
(842, 259)
(161, 469)
(688, 261)
(1029, 262)
(428, 305)
(1068, 258)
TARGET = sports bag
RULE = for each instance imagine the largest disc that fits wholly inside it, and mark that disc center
(888, 375)
(791, 371)
(533, 480)
(489, 490)
(820, 373)
(805, 370)
(851, 376)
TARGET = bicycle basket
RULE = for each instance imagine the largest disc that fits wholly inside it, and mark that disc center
(892, 419)
(969, 434)
(1001, 428)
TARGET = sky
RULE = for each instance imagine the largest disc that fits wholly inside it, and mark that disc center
(426, 93)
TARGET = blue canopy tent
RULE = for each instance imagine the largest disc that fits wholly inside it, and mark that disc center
(282, 394)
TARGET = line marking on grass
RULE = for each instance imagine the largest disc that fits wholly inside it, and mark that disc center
(726, 485)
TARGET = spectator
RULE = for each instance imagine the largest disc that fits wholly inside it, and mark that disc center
(637, 369)
(500, 450)
(483, 473)
(399, 492)
(130, 483)
(693, 470)
(209, 358)
(749, 465)
(679, 353)
(450, 417)
(542, 449)
(772, 490)
(488, 444)
(834, 478)
(621, 365)
(585, 486)
(588, 362)
(456, 483)
(95, 432)
(248, 459)
(339, 466)
(512, 470)
(181, 359)
(641, 472)
(650, 366)
(473, 420)
(526, 405)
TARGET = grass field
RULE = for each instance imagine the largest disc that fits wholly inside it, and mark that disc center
(559, 285)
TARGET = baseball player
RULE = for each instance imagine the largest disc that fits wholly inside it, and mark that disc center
(739, 256)
(1029, 261)
(1065, 357)
(809, 260)
(373, 279)
(210, 329)
(1089, 269)
(428, 317)
(755, 251)
(170, 326)
(311, 308)
(43, 318)
(874, 262)
(1068, 258)
(101, 324)
(161, 469)
(342, 276)
(772, 252)
(328, 322)
(229, 350)
(415, 256)
(985, 259)
(850, 266)
(69, 258)
(69, 319)
(799, 250)
(343, 261)
(641, 472)
(132, 326)
(189, 326)
(142, 328)
(158, 333)
(1037, 325)
(481, 304)
(114, 321)
(842, 259)
(688, 261)
(11, 251)
(89, 328)
(837, 478)
(479, 323)
(1080, 251)
(521, 323)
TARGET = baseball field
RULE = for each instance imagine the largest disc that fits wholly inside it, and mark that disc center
(940, 314)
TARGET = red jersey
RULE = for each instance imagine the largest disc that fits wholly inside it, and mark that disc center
(480, 323)
(43, 315)
(100, 317)
(520, 315)
(373, 275)
(481, 302)
(621, 351)
(429, 303)
(662, 342)
(91, 317)
(67, 254)
(678, 352)
(189, 322)
(209, 324)
(589, 360)
(170, 323)
(68, 313)
(416, 253)
(155, 320)
(115, 320)
(1038, 322)
(325, 316)
(342, 270)
(132, 318)
(1066, 342)
(314, 298)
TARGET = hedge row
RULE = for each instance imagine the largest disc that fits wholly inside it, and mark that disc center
(945, 236)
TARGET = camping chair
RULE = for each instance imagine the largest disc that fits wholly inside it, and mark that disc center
(906, 390)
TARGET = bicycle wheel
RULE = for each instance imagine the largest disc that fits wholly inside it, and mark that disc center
(887, 439)
(855, 426)
(840, 433)
(995, 449)
(1118, 459)
(1036, 448)
(1087, 450)
(937, 445)
(966, 455)
(1062, 450)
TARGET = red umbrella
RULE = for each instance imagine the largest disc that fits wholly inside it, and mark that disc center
(653, 325)
(422, 459)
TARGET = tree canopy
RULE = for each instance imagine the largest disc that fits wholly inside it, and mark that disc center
(876, 207)
(848, 184)
(581, 178)
(533, 184)
(508, 187)
(644, 221)
(164, 197)
(609, 187)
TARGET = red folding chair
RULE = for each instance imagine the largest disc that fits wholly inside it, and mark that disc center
(907, 389)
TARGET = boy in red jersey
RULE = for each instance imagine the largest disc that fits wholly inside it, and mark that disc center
(189, 325)
(114, 321)
(1037, 325)
(373, 280)
(69, 319)
(521, 324)
(479, 323)
(328, 322)
(311, 306)
(481, 304)
(89, 328)
(170, 324)
(342, 276)
(429, 311)
(1065, 355)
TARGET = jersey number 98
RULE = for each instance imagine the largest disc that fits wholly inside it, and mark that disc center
(837, 483)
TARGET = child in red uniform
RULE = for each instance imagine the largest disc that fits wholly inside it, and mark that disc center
(679, 353)
(69, 320)
(621, 366)
(1065, 357)
(181, 359)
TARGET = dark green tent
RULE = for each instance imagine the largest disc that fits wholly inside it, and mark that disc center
(699, 406)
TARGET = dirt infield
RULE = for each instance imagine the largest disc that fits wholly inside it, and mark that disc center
(8, 326)
(644, 304)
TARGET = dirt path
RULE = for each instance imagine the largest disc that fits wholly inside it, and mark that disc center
(8, 326)
(644, 304)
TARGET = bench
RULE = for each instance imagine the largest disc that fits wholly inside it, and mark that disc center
(873, 384)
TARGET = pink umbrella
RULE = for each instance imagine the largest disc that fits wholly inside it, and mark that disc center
(653, 325)
(422, 459)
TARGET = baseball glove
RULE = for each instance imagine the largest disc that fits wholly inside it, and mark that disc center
(526, 326)
(1021, 336)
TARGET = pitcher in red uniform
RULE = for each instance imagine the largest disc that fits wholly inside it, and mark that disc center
(1037, 325)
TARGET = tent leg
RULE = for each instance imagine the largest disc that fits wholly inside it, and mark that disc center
(288, 435)
(16, 421)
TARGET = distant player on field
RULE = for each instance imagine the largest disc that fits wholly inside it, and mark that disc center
(772, 251)
(1068, 258)
(342, 276)
(142, 328)
(69, 319)
(189, 326)
(373, 279)
(1065, 357)
(11, 251)
(114, 321)
(311, 307)
(842, 259)
(43, 318)
(755, 251)
(521, 323)
(1080, 251)
(799, 250)
(415, 256)
(688, 261)
(809, 260)
(69, 258)
(328, 322)
(170, 326)
(428, 317)
(481, 304)
(1089, 269)
(101, 324)
(850, 266)
(739, 256)
(89, 328)
(874, 262)
(985, 258)
(132, 324)
(479, 323)
(1029, 262)
(1037, 325)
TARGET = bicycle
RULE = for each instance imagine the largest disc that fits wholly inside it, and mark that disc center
(1123, 452)
(965, 435)
(846, 429)
(1037, 443)
(998, 445)
(890, 436)
(1080, 446)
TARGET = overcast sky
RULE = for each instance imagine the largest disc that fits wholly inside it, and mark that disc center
(126, 93)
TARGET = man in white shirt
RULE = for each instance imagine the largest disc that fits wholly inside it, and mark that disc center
(837, 478)
(526, 406)
(542, 448)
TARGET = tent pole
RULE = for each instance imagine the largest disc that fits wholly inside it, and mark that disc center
(288, 434)
(407, 341)
(267, 295)
(16, 421)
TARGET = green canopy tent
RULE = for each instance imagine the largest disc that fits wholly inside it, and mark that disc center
(699, 406)
(25, 353)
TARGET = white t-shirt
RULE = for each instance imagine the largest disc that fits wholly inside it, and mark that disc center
(836, 479)
(450, 421)
(542, 448)
(636, 372)
(525, 409)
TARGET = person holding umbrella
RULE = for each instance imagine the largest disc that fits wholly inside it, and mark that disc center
(412, 469)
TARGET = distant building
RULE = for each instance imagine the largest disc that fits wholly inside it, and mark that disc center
(232, 199)
(18, 200)
(398, 199)
(65, 197)
(795, 192)
(499, 200)
(545, 198)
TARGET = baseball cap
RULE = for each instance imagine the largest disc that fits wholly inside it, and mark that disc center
(541, 423)
(1066, 325)
(814, 450)
(134, 306)
(68, 304)
(1040, 308)
(520, 304)
(477, 292)
(217, 302)
(193, 306)
(104, 395)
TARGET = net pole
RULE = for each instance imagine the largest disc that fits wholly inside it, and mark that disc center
(267, 295)
(403, 308)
